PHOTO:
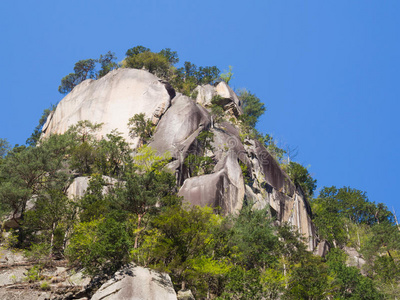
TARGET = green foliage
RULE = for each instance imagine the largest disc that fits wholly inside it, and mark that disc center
(227, 76)
(4, 148)
(188, 77)
(39, 254)
(34, 138)
(252, 107)
(273, 149)
(136, 50)
(112, 154)
(107, 63)
(243, 284)
(146, 159)
(171, 56)
(10, 239)
(178, 241)
(155, 63)
(34, 274)
(300, 177)
(217, 109)
(254, 237)
(45, 286)
(86, 69)
(200, 164)
(348, 283)
(245, 172)
(309, 280)
(141, 127)
(100, 245)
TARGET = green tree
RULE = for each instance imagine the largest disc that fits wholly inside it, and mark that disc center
(4, 148)
(227, 76)
(100, 246)
(254, 237)
(155, 63)
(112, 154)
(252, 107)
(309, 280)
(171, 56)
(141, 127)
(180, 241)
(34, 138)
(144, 194)
(348, 283)
(84, 69)
(107, 63)
(300, 177)
(136, 50)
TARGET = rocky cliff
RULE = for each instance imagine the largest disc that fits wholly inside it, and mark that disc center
(179, 120)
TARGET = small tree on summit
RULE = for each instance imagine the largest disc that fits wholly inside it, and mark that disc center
(86, 69)
(141, 127)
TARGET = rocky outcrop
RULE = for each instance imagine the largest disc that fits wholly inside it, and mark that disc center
(55, 281)
(228, 97)
(111, 100)
(244, 169)
(223, 189)
(355, 259)
(180, 126)
(185, 295)
(136, 283)
(79, 185)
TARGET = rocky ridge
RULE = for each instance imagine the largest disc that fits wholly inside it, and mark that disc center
(116, 97)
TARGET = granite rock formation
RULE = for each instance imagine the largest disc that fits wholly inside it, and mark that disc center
(116, 97)
(136, 283)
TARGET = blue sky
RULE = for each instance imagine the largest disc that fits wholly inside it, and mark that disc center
(328, 71)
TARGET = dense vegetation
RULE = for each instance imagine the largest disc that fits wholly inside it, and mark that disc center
(131, 211)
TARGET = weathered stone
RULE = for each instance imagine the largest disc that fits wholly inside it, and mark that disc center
(111, 100)
(12, 221)
(355, 259)
(322, 248)
(137, 283)
(185, 295)
(224, 189)
(225, 92)
(115, 98)
(204, 94)
(229, 100)
(180, 125)
(79, 186)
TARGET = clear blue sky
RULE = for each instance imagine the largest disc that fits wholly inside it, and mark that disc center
(328, 71)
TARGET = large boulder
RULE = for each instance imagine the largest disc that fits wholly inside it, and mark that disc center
(111, 100)
(137, 283)
(228, 97)
(224, 189)
(180, 125)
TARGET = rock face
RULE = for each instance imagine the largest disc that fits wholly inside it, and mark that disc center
(111, 100)
(244, 170)
(57, 282)
(79, 185)
(137, 283)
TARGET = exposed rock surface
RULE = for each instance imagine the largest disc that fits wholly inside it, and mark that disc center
(137, 283)
(111, 100)
(224, 189)
(229, 99)
(185, 295)
(322, 248)
(57, 282)
(80, 184)
(355, 259)
(115, 98)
